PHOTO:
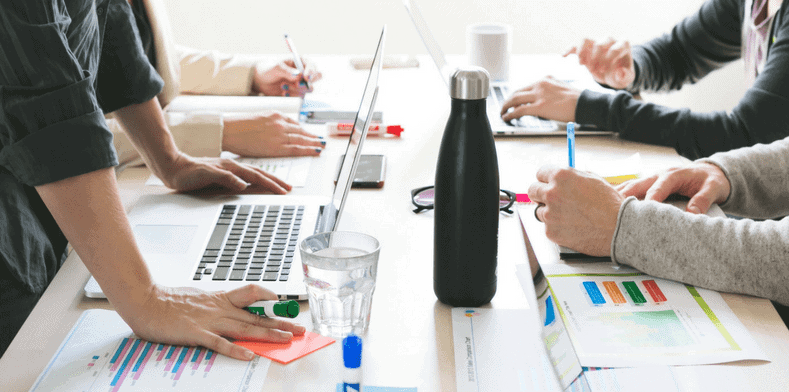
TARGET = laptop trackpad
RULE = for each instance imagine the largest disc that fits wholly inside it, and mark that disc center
(171, 239)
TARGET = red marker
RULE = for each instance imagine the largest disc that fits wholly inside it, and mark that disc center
(344, 129)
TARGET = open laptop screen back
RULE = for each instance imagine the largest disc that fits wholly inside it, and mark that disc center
(331, 212)
(430, 42)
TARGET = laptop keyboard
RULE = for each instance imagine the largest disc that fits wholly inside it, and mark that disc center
(528, 123)
(260, 244)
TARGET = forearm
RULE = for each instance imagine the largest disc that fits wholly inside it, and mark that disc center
(213, 73)
(740, 256)
(760, 117)
(147, 130)
(759, 178)
(88, 210)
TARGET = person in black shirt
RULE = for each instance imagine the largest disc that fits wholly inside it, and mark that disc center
(720, 32)
(63, 64)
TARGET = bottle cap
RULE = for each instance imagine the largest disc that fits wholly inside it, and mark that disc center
(286, 309)
(469, 83)
(352, 351)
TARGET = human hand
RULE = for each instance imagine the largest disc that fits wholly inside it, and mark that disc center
(704, 183)
(284, 79)
(610, 62)
(270, 135)
(549, 98)
(579, 209)
(192, 317)
(186, 173)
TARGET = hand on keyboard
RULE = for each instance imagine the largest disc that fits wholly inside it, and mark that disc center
(187, 173)
(549, 98)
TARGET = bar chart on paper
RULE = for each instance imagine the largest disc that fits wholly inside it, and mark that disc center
(622, 317)
(101, 354)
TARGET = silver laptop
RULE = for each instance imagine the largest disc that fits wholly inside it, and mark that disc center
(224, 242)
(499, 92)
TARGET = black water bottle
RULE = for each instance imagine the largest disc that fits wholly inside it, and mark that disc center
(466, 213)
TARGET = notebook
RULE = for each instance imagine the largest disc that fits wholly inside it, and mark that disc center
(499, 92)
(223, 242)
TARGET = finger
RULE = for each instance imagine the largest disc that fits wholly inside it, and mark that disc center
(700, 202)
(290, 120)
(597, 63)
(612, 60)
(225, 178)
(222, 346)
(249, 294)
(299, 140)
(586, 52)
(536, 192)
(313, 75)
(637, 188)
(546, 173)
(539, 212)
(289, 71)
(259, 177)
(246, 331)
(291, 88)
(573, 50)
(520, 111)
(518, 99)
(301, 131)
(664, 186)
(275, 323)
(276, 180)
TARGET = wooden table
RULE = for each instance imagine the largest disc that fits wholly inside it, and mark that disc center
(409, 341)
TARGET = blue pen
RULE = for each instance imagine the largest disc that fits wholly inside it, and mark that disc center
(571, 143)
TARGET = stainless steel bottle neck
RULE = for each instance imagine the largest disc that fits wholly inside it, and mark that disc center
(469, 83)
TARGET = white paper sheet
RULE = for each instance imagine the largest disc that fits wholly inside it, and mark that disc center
(623, 318)
(101, 354)
(500, 350)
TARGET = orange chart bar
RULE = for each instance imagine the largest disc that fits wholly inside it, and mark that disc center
(614, 293)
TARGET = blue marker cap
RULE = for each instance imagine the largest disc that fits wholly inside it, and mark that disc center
(352, 351)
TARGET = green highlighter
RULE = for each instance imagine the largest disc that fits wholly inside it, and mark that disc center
(289, 309)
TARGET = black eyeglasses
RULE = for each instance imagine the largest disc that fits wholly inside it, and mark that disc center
(423, 199)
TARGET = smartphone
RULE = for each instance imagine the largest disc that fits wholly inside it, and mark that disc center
(370, 172)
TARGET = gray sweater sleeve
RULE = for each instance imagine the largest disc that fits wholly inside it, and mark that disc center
(724, 254)
(701, 43)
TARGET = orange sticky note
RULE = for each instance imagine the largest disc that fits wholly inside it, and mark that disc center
(285, 353)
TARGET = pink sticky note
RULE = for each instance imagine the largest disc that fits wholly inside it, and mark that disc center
(285, 353)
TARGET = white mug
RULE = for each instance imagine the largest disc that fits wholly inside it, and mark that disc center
(488, 46)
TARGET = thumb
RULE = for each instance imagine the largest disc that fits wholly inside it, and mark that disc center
(570, 51)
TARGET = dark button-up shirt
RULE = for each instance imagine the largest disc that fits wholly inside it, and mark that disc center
(63, 64)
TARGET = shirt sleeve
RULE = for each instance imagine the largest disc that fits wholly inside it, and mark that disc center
(125, 75)
(759, 178)
(697, 46)
(723, 254)
(52, 124)
(213, 73)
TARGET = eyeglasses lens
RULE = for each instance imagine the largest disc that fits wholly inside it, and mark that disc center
(425, 198)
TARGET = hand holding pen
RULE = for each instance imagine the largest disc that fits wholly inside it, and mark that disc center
(290, 78)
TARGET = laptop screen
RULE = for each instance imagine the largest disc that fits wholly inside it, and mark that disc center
(430, 42)
(331, 212)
